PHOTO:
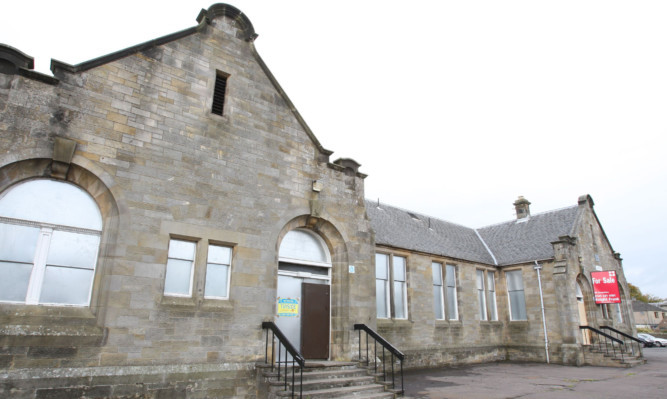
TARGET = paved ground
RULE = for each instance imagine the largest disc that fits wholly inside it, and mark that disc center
(533, 381)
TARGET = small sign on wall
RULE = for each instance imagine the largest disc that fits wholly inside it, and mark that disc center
(350, 269)
(288, 307)
(605, 287)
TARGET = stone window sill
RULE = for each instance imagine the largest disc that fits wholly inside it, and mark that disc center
(39, 325)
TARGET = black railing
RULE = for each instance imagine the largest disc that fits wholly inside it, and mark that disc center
(386, 347)
(634, 340)
(283, 342)
(608, 341)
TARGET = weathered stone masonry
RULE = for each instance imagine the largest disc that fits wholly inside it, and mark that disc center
(134, 130)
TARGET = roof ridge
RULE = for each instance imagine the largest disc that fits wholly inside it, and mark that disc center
(533, 215)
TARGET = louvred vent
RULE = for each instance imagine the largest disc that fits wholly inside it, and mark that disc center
(219, 94)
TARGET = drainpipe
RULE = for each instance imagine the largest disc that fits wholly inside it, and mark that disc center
(544, 320)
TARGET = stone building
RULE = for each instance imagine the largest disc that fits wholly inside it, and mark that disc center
(648, 315)
(158, 203)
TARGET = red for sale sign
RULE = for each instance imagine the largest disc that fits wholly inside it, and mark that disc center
(605, 287)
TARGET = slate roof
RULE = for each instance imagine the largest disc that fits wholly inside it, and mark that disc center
(502, 244)
(639, 306)
(524, 240)
(397, 228)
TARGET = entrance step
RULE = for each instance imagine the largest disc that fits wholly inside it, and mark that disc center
(327, 380)
(596, 357)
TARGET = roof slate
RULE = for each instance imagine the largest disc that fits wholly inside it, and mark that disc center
(397, 228)
(511, 242)
(522, 240)
(639, 306)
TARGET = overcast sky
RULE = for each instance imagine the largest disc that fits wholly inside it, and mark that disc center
(453, 108)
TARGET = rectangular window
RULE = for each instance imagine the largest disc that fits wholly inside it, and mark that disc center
(391, 286)
(218, 268)
(491, 295)
(481, 295)
(438, 294)
(452, 304)
(180, 268)
(219, 92)
(619, 313)
(400, 288)
(516, 295)
(46, 264)
(382, 285)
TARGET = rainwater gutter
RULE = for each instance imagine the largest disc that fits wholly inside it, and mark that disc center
(537, 268)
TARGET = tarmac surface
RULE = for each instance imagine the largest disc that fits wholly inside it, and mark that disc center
(543, 381)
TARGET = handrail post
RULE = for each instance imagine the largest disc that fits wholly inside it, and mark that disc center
(393, 385)
(359, 346)
(375, 354)
(289, 350)
(386, 346)
(384, 364)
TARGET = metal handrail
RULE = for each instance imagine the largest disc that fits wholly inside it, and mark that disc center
(289, 348)
(385, 346)
(632, 346)
(606, 337)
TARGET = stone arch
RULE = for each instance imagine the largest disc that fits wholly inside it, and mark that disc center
(42, 168)
(586, 289)
(337, 247)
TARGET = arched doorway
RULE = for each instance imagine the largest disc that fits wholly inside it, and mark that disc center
(583, 318)
(303, 303)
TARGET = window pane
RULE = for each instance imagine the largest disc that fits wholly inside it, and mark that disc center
(381, 298)
(219, 254)
(492, 306)
(399, 268)
(481, 298)
(491, 295)
(216, 280)
(517, 305)
(436, 270)
(182, 249)
(382, 266)
(73, 249)
(14, 281)
(480, 279)
(450, 276)
(399, 300)
(64, 285)
(51, 201)
(17, 243)
(514, 280)
(451, 304)
(302, 245)
(437, 302)
(177, 280)
(490, 281)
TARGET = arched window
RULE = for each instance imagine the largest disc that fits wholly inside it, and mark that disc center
(301, 246)
(49, 241)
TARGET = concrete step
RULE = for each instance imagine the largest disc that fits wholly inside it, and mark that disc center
(330, 380)
(328, 383)
(369, 390)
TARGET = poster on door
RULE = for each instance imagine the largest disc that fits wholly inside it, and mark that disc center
(288, 307)
(605, 287)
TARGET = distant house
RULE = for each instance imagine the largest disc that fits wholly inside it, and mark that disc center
(648, 315)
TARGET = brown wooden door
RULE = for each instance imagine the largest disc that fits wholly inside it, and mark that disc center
(315, 320)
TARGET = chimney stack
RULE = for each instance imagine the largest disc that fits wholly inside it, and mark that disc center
(522, 207)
